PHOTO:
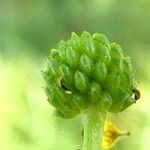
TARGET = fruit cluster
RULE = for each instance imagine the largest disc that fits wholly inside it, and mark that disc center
(88, 70)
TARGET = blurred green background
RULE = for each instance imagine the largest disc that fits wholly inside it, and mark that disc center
(28, 30)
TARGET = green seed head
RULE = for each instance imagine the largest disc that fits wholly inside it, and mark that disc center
(89, 70)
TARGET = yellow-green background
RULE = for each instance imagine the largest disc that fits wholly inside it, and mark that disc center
(28, 29)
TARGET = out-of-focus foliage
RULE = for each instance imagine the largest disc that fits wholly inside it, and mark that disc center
(28, 29)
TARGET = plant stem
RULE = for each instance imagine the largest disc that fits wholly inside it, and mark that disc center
(93, 122)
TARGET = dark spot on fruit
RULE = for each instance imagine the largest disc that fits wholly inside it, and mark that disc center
(61, 85)
(137, 94)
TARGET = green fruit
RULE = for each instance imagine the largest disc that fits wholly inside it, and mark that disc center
(88, 70)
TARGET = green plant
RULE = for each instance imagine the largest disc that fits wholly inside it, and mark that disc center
(89, 76)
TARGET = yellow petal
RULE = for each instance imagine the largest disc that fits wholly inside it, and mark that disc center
(111, 135)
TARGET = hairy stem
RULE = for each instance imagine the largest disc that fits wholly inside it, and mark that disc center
(93, 122)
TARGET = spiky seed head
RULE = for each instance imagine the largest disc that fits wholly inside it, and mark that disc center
(86, 70)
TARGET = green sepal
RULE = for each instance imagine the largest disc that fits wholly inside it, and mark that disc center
(100, 71)
(101, 39)
(86, 65)
(95, 92)
(88, 45)
(112, 82)
(71, 57)
(66, 74)
(103, 54)
(105, 102)
(75, 41)
(116, 64)
(81, 82)
(116, 50)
